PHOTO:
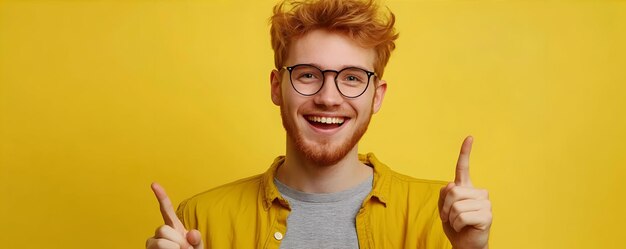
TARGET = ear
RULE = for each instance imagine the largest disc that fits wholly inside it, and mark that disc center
(277, 97)
(379, 95)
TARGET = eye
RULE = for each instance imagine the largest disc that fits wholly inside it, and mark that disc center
(353, 78)
(307, 76)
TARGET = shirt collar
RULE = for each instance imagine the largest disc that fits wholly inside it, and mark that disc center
(380, 190)
(270, 192)
(382, 181)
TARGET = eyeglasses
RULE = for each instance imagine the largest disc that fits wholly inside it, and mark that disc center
(308, 80)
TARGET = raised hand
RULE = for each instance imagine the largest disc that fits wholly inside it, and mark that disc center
(173, 234)
(464, 210)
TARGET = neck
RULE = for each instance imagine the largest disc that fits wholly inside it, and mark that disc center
(304, 175)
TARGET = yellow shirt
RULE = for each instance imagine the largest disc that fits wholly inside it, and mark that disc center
(400, 212)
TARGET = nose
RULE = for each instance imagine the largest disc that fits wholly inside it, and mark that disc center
(329, 95)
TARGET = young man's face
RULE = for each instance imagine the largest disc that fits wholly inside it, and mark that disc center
(323, 143)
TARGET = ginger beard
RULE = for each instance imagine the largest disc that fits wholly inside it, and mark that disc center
(326, 151)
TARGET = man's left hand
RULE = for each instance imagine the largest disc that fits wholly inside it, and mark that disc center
(464, 210)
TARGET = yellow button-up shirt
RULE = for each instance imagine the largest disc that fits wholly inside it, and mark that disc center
(400, 212)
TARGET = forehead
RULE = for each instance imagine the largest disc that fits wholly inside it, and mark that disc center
(329, 50)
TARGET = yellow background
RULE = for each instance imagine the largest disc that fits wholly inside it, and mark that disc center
(100, 98)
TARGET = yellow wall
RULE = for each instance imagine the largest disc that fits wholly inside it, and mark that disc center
(100, 98)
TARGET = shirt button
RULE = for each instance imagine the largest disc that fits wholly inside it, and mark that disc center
(278, 236)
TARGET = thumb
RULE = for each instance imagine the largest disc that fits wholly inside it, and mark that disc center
(462, 177)
(195, 239)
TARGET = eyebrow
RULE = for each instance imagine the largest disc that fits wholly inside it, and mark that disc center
(342, 66)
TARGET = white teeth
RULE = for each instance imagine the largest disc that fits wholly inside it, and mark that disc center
(326, 120)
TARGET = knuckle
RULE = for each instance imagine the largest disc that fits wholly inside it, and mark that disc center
(160, 244)
(162, 231)
(461, 218)
(459, 223)
(165, 244)
(455, 208)
(454, 192)
(488, 215)
(159, 232)
(485, 193)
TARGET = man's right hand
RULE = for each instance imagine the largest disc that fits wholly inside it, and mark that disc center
(173, 234)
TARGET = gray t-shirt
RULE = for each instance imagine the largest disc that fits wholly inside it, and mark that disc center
(323, 220)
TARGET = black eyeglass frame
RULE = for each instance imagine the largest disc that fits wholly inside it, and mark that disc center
(369, 75)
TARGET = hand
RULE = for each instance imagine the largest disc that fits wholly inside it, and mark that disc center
(465, 211)
(173, 234)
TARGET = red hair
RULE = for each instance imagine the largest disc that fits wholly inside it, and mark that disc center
(362, 21)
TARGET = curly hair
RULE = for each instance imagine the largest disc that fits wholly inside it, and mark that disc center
(362, 21)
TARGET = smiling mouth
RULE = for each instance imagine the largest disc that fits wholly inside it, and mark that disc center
(325, 123)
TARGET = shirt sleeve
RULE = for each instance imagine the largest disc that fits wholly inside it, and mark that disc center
(185, 215)
(438, 238)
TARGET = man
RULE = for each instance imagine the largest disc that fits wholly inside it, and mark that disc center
(330, 56)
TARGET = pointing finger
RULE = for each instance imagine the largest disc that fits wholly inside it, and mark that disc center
(167, 211)
(462, 177)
